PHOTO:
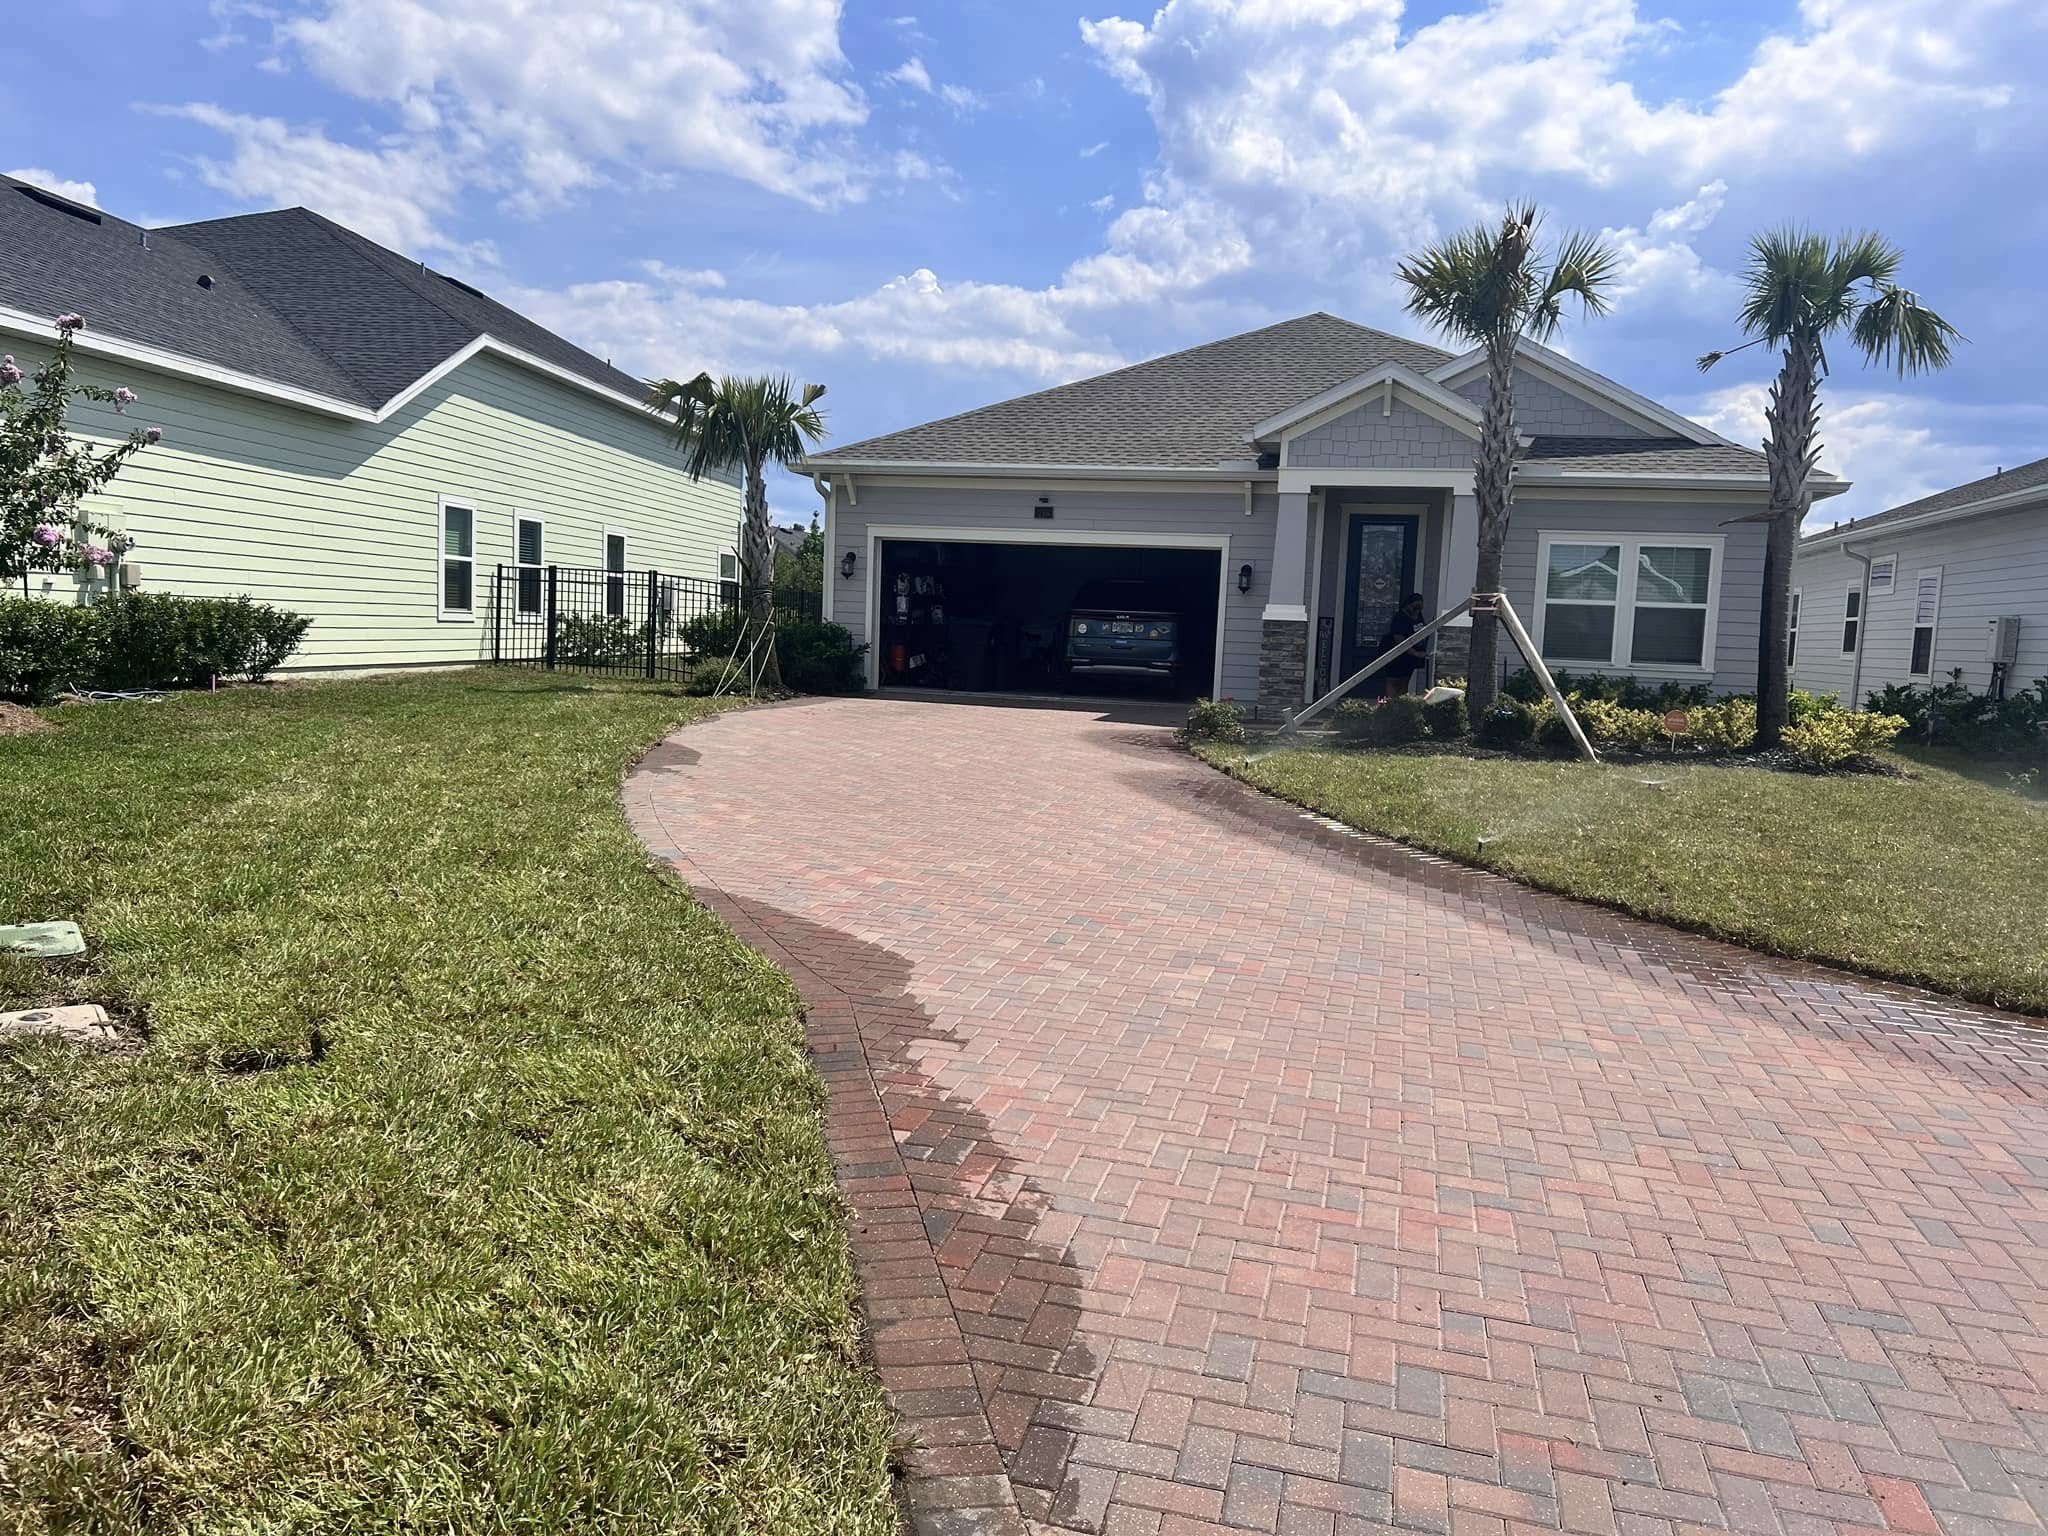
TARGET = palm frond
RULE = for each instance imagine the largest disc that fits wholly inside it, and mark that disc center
(1896, 329)
(739, 421)
(1583, 269)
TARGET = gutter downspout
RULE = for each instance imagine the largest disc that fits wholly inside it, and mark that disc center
(1862, 626)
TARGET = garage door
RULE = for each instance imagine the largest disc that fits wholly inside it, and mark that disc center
(1097, 619)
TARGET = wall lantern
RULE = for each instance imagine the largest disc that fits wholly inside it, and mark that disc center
(1244, 578)
(846, 565)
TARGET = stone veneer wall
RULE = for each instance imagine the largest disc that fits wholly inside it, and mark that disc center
(1283, 668)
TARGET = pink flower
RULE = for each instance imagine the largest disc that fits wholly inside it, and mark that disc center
(49, 538)
(98, 554)
(10, 370)
(152, 434)
(71, 322)
(124, 397)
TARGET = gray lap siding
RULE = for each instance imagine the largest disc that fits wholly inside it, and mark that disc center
(1142, 515)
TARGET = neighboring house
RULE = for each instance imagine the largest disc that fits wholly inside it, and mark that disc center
(346, 432)
(1281, 491)
(1915, 595)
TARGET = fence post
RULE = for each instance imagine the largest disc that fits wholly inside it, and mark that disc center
(498, 617)
(551, 618)
(653, 611)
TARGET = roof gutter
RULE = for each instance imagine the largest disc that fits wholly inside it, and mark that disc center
(835, 467)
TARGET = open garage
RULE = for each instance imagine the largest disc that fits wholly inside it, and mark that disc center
(998, 618)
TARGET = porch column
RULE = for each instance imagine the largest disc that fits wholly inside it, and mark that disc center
(1284, 629)
(1460, 569)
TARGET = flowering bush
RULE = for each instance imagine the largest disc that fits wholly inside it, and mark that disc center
(45, 472)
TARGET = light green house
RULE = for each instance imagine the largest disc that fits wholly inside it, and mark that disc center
(347, 433)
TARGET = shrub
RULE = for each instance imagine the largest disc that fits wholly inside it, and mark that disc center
(1831, 739)
(1216, 720)
(1729, 726)
(156, 640)
(703, 675)
(45, 647)
(1510, 723)
(816, 656)
(1614, 688)
(1548, 730)
(599, 642)
(1608, 724)
(1398, 719)
(1447, 719)
(1952, 715)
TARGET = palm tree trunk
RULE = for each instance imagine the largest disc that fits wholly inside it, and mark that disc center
(1493, 484)
(758, 556)
(1792, 420)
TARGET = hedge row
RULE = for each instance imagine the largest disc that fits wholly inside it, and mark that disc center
(140, 640)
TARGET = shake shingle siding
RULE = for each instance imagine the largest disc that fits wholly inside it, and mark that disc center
(1371, 436)
(1544, 410)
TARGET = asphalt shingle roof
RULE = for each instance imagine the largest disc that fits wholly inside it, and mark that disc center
(295, 298)
(1642, 456)
(1192, 409)
(2004, 482)
(1189, 409)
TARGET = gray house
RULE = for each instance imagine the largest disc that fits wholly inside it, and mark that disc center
(1954, 583)
(1280, 492)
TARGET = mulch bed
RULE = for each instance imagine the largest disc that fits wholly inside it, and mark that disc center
(16, 721)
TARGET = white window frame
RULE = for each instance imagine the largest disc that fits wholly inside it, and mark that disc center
(604, 552)
(1631, 544)
(1932, 626)
(443, 612)
(1792, 631)
(1852, 614)
(540, 612)
(1884, 573)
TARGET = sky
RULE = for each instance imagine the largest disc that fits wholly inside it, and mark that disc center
(928, 207)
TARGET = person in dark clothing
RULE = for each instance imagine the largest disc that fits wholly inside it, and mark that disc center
(1396, 675)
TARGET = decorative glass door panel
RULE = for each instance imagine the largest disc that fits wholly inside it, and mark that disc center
(1381, 572)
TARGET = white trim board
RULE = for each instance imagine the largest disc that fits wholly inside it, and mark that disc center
(878, 533)
(1297, 481)
(163, 360)
(1588, 387)
(1429, 397)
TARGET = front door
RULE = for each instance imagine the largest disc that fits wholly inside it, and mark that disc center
(1379, 572)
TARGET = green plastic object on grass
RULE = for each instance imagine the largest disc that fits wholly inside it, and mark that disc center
(49, 940)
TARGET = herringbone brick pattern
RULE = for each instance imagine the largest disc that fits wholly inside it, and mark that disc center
(1214, 1170)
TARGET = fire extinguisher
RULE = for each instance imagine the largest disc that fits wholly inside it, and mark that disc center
(899, 658)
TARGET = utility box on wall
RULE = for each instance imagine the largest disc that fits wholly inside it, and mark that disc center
(2005, 639)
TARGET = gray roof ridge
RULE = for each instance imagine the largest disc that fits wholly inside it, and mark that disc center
(1370, 330)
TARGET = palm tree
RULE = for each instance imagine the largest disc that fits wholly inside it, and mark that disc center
(1803, 289)
(1489, 288)
(748, 422)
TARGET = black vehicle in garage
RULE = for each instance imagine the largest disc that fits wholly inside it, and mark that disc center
(1126, 628)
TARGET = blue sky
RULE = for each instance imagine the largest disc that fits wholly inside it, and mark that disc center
(931, 206)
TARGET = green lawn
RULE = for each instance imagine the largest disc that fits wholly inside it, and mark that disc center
(1934, 879)
(473, 1177)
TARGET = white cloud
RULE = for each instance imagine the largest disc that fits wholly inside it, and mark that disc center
(559, 94)
(1353, 116)
(911, 72)
(1103, 203)
(50, 181)
(1093, 150)
(395, 192)
(961, 99)
(1658, 267)
(1895, 447)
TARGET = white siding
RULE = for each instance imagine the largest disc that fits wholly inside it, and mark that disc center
(341, 520)
(1138, 513)
(1990, 566)
(1735, 643)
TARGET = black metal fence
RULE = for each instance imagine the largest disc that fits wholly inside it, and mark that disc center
(623, 623)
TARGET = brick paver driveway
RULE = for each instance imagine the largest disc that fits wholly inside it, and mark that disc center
(1215, 1170)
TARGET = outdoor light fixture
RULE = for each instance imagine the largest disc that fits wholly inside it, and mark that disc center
(1244, 578)
(846, 565)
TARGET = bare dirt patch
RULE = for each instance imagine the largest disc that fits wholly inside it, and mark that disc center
(16, 721)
